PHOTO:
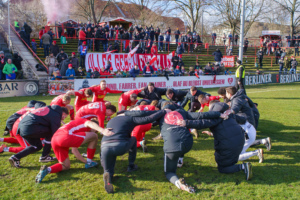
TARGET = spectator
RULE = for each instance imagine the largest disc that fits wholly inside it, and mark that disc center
(213, 38)
(108, 66)
(61, 56)
(224, 39)
(80, 72)
(10, 70)
(230, 39)
(46, 42)
(160, 71)
(287, 63)
(69, 29)
(283, 54)
(111, 32)
(51, 36)
(98, 37)
(136, 38)
(41, 33)
(218, 55)
(28, 31)
(183, 72)
(56, 75)
(128, 48)
(148, 70)
(17, 26)
(171, 73)
(125, 73)
(82, 37)
(229, 51)
(197, 66)
(116, 47)
(89, 74)
(70, 73)
(110, 47)
(208, 68)
(236, 38)
(63, 66)
(167, 43)
(23, 36)
(74, 61)
(51, 63)
(3, 61)
(154, 49)
(160, 42)
(179, 50)
(177, 34)
(17, 62)
(297, 48)
(294, 65)
(148, 46)
(89, 38)
(246, 43)
(281, 65)
(191, 71)
(288, 38)
(135, 71)
(177, 71)
(119, 74)
(83, 51)
(260, 56)
(200, 72)
(105, 41)
(277, 55)
(180, 63)
(59, 30)
(175, 60)
(34, 45)
(54, 48)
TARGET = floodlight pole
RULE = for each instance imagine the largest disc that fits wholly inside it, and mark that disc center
(242, 31)
(8, 19)
(202, 26)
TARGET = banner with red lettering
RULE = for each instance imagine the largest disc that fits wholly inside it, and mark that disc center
(228, 61)
(119, 61)
(58, 87)
(182, 82)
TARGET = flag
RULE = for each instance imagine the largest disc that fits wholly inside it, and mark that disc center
(132, 52)
(153, 59)
(110, 51)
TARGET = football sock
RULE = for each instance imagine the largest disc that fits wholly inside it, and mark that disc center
(55, 168)
(90, 153)
(10, 140)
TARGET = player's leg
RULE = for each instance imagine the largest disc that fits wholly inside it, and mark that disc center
(265, 141)
(120, 103)
(137, 133)
(11, 140)
(170, 167)
(92, 139)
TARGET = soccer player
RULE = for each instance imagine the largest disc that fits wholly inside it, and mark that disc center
(192, 96)
(151, 93)
(176, 96)
(63, 101)
(204, 100)
(16, 138)
(96, 110)
(73, 135)
(40, 123)
(128, 99)
(81, 97)
(121, 142)
(101, 90)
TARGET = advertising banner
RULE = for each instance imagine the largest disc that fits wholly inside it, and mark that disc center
(19, 88)
(182, 82)
(271, 78)
(119, 61)
(228, 61)
(58, 87)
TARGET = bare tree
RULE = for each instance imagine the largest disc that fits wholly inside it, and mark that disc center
(191, 10)
(88, 9)
(228, 12)
(292, 8)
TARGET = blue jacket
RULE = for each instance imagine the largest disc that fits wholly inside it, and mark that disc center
(70, 72)
(218, 56)
(83, 53)
(161, 38)
(134, 72)
(151, 70)
(168, 37)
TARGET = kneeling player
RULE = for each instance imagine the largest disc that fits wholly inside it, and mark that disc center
(81, 97)
(128, 99)
(73, 135)
(63, 101)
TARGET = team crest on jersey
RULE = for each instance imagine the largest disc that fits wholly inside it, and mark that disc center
(41, 111)
(173, 118)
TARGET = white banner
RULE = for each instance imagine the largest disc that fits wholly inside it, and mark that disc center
(177, 82)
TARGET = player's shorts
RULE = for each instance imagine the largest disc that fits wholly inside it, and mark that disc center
(62, 141)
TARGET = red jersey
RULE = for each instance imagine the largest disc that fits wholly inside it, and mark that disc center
(16, 124)
(100, 94)
(73, 127)
(58, 101)
(211, 98)
(93, 110)
(125, 98)
(22, 111)
(145, 108)
(80, 99)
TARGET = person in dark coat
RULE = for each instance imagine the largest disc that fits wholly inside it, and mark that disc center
(54, 48)
(192, 96)
(17, 62)
(260, 56)
(177, 139)
(121, 142)
(152, 93)
(148, 70)
(238, 103)
(28, 31)
(23, 36)
(135, 71)
(229, 140)
(61, 56)
(40, 123)
(63, 67)
(218, 55)
(175, 61)
(176, 96)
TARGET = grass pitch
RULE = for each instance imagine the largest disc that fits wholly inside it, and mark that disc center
(277, 178)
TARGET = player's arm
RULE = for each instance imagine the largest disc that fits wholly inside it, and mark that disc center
(203, 115)
(78, 155)
(149, 119)
(94, 126)
(114, 91)
(200, 124)
(201, 109)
